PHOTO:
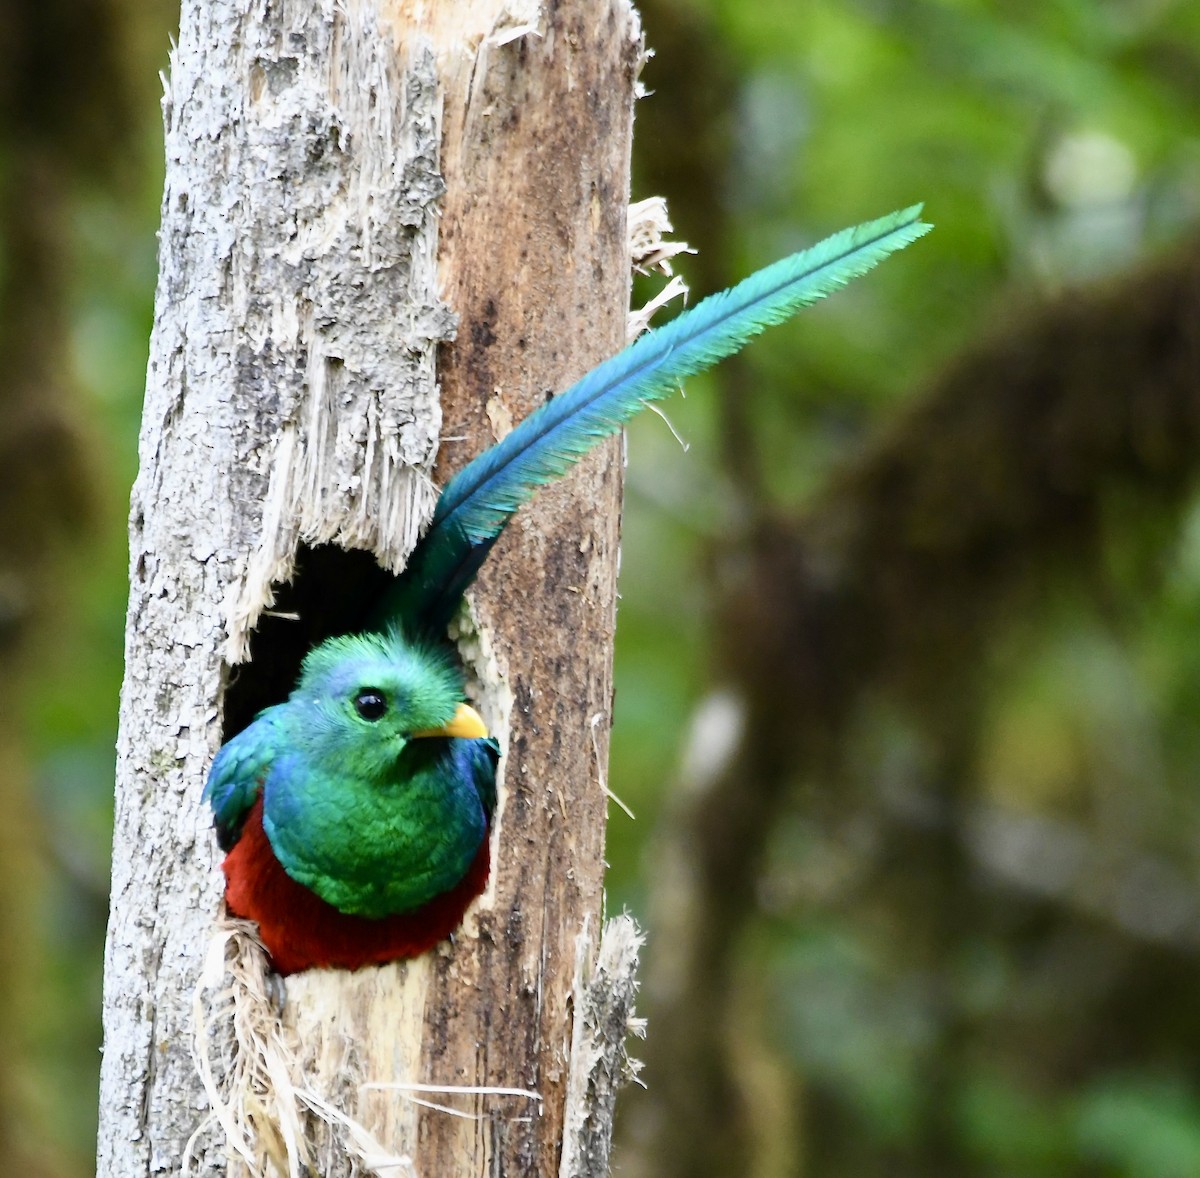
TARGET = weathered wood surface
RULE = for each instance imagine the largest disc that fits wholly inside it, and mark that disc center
(310, 268)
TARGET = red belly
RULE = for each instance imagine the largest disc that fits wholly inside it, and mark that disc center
(301, 931)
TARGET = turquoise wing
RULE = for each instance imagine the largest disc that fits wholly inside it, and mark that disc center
(238, 773)
(476, 760)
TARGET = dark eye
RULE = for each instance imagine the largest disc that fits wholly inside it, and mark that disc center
(371, 703)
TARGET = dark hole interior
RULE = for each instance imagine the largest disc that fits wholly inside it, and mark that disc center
(332, 591)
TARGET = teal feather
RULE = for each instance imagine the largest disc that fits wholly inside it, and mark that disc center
(477, 502)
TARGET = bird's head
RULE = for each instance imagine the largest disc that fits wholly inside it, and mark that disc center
(369, 695)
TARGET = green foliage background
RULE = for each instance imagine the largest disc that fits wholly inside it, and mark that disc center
(1056, 144)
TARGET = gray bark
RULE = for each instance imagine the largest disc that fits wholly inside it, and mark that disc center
(292, 397)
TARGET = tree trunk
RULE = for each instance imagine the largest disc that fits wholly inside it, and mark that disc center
(306, 251)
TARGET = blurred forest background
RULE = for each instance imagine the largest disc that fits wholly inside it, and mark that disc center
(908, 678)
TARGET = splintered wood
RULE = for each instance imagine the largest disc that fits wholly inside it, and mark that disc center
(348, 185)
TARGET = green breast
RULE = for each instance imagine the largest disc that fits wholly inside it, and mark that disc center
(378, 845)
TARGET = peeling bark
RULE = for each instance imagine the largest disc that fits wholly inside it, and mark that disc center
(342, 181)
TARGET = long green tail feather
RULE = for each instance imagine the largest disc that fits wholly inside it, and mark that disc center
(480, 499)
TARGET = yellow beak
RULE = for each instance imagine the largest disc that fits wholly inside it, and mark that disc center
(466, 723)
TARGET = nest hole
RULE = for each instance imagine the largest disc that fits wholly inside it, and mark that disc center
(331, 592)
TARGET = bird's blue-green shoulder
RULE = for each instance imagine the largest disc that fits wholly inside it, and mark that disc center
(238, 772)
(476, 762)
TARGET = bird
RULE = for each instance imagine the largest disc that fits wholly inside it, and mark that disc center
(356, 814)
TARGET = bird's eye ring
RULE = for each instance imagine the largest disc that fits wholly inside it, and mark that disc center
(371, 704)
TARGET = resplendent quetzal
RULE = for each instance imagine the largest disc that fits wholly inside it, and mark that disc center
(355, 814)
